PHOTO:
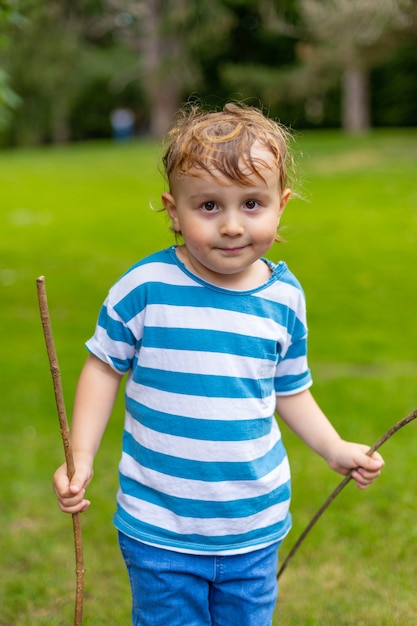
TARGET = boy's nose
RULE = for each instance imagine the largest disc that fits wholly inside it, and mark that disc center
(232, 224)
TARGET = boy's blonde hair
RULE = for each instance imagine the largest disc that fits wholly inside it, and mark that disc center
(222, 141)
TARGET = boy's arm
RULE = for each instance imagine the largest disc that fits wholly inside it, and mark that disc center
(94, 400)
(303, 415)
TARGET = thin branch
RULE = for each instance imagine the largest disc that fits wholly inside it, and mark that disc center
(66, 440)
(341, 485)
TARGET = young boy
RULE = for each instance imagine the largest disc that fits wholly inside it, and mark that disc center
(213, 338)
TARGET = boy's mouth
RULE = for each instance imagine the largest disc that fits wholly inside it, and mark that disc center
(235, 249)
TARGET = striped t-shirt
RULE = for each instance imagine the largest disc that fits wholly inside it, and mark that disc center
(203, 467)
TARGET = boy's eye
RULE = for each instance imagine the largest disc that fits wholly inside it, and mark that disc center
(209, 206)
(251, 204)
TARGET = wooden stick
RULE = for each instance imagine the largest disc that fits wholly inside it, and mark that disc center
(66, 439)
(341, 485)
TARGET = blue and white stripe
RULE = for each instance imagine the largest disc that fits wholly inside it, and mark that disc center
(203, 467)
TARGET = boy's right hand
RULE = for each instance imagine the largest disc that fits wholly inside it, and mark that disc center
(70, 494)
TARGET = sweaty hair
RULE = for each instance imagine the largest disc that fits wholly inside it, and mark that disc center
(221, 141)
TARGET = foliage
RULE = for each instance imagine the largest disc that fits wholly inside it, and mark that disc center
(351, 241)
(53, 63)
(394, 84)
(168, 37)
(72, 63)
(354, 37)
(331, 38)
(9, 13)
(356, 31)
(9, 100)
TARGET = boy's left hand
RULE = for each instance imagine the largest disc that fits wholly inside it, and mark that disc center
(347, 456)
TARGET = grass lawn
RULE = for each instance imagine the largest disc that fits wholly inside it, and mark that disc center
(351, 240)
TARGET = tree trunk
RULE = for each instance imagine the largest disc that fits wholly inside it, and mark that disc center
(60, 130)
(355, 101)
(161, 58)
(164, 100)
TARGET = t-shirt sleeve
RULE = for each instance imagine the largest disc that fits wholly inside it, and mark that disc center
(113, 342)
(292, 374)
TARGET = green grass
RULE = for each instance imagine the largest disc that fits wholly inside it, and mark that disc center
(352, 243)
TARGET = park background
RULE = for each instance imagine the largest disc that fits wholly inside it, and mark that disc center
(342, 74)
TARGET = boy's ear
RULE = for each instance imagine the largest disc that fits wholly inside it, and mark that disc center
(284, 199)
(169, 203)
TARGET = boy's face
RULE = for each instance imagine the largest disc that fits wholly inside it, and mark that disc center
(227, 227)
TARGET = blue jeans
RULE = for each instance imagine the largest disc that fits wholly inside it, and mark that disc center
(175, 589)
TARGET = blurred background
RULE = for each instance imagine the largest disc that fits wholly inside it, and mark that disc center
(73, 70)
(79, 204)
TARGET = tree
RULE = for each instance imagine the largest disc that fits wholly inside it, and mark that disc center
(167, 36)
(354, 36)
(9, 100)
(153, 45)
(72, 61)
(52, 59)
(348, 38)
(336, 42)
(252, 57)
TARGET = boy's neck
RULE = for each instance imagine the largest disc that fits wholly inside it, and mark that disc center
(254, 276)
